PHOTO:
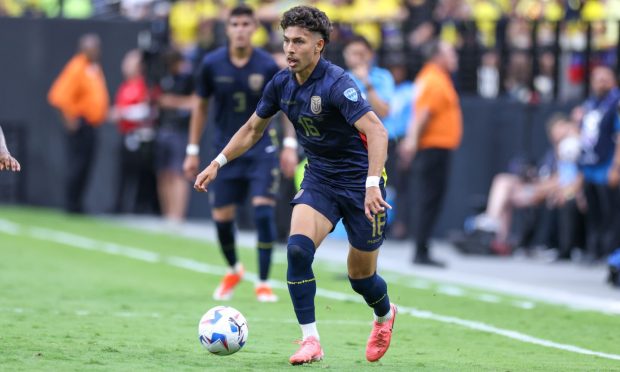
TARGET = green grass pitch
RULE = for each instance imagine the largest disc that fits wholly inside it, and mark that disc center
(78, 293)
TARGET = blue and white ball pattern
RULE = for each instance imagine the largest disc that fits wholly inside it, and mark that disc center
(223, 330)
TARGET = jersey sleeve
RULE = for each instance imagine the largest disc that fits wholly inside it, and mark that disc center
(346, 97)
(204, 79)
(268, 105)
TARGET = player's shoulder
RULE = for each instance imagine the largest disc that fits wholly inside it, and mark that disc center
(264, 55)
(334, 73)
(281, 77)
(336, 78)
(216, 56)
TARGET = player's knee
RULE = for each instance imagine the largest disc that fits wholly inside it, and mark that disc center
(300, 251)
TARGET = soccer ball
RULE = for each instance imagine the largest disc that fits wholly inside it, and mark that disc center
(223, 330)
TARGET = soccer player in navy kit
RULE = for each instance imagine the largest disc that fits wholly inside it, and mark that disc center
(346, 145)
(235, 77)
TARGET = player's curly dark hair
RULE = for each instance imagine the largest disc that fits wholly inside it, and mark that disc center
(307, 17)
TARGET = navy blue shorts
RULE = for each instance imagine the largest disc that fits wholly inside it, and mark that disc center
(348, 204)
(170, 150)
(255, 176)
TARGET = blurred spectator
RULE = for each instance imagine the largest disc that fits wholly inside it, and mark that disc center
(81, 96)
(544, 81)
(6, 160)
(371, 18)
(486, 13)
(135, 118)
(375, 83)
(401, 112)
(568, 196)
(526, 189)
(432, 136)
(600, 162)
(186, 16)
(488, 75)
(518, 77)
(175, 106)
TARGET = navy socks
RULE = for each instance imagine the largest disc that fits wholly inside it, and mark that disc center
(374, 291)
(300, 278)
(266, 229)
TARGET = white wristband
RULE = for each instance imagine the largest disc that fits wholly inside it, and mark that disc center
(372, 181)
(192, 149)
(221, 160)
(290, 142)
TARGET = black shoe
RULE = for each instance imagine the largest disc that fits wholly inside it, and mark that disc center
(429, 262)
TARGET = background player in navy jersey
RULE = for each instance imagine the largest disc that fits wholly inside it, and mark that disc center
(235, 77)
(346, 145)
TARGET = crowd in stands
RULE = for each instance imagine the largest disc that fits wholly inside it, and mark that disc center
(530, 51)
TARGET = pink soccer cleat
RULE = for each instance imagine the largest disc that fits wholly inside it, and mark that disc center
(380, 337)
(309, 351)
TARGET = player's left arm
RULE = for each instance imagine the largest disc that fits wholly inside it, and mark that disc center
(250, 133)
(377, 140)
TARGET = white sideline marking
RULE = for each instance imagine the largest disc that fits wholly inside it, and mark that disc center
(451, 290)
(527, 305)
(190, 264)
(9, 227)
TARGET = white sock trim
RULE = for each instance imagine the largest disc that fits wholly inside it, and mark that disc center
(308, 330)
(237, 268)
(385, 318)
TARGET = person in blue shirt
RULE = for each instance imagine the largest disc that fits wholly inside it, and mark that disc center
(235, 76)
(396, 124)
(600, 163)
(375, 83)
(346, 146)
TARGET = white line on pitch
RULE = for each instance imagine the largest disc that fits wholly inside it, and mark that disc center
(193, 265)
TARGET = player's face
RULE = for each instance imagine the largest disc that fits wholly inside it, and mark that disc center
(239, 31)
(302, 48)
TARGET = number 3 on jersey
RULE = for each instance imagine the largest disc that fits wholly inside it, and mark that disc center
(309, 128)
(241, 102)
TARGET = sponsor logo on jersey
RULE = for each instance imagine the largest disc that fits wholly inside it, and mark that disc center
(315, 104)
(224, 79)
(255, 81)
(351, 94)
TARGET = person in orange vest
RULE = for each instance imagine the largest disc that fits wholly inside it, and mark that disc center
(81, 96)
(6, 160)
(434, 133)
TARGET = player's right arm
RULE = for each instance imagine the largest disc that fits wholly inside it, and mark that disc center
(196, 127)
(250, 133)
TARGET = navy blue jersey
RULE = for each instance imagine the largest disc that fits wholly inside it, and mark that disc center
(323, 110)
(235, 91)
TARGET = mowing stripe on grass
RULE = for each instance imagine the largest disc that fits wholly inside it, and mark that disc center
(86, 243)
